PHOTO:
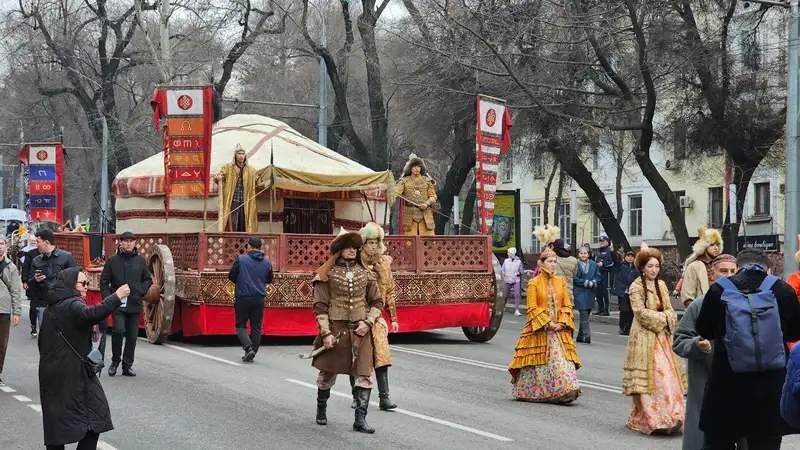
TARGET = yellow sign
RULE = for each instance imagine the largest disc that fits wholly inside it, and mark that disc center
(504, 226)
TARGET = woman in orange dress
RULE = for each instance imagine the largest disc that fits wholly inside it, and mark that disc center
(653, 375)
(545, 361)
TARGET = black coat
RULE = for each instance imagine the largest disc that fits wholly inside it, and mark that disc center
(50, 265)
(625, 275)
(27, 274)
(744, 404)
(73, 401)
(126, 268)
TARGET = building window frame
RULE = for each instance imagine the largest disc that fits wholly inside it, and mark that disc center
(564, 222)
(506, 168)
(536, 220)
(538, 166)
(762, 197)
(597, 229)
(716, 207)
(635, 208)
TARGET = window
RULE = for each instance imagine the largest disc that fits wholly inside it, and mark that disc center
(751, 51)
(538, 166)
(595, 159)
(506, 168)
(564, 222)
(762, 199)
(715, 209)
(536, 220)
(597, 229)
(678, 195)
(635, 217)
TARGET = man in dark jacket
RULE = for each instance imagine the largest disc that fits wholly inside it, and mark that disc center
(744, 405)
(46, 267)
(37, 304)
(626, 273)
(125, 267)
(606, 261)
(251, 273)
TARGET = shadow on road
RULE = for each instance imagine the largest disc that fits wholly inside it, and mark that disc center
(422, 337)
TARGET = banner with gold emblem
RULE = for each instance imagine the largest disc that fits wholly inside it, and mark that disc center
(186, 115)
(45, 162)
(492, 141)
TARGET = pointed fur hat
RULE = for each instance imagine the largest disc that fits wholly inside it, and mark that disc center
(705, 238)
(414, 160)
(373, 231)
(644, 255)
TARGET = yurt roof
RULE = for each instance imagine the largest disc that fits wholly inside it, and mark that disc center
(298, 163)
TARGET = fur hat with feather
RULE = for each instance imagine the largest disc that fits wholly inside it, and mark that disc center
(706, 237)
(546, 234)
(644, 255)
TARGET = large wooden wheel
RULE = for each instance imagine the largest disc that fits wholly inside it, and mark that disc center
(485, 334)
(159, 302)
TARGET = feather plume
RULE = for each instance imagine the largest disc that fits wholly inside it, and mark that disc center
(546, 234)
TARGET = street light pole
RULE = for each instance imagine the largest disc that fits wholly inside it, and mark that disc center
(104, 177)
(21, 198)
(792, 186)
(573, 215)
(322, 123)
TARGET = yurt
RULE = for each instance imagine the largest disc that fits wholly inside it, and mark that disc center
(303, 187)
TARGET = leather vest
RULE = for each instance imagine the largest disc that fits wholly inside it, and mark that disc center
(348, 290)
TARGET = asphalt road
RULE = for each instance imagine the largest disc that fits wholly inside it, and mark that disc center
(452, 394)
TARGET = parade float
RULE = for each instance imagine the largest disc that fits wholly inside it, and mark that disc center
(306, 193)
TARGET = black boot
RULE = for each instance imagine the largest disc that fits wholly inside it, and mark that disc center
(382, 375)
(353, 391)
(322, 406)
(362, 398)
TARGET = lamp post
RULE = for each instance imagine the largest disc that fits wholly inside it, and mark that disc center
(322, 122)
(573, 216)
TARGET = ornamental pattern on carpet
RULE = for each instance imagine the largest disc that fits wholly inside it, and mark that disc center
(296, 291)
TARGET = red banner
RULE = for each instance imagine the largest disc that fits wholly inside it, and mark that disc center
(492, 140)
(187, 139)
(45, 162)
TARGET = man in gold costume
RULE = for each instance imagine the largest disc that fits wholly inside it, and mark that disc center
(347, 303)
(372, 258)
(419, 192)
(237, 195)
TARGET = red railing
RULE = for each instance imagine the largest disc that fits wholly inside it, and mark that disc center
(306, 252)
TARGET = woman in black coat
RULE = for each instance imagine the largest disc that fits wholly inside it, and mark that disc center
(74, 406)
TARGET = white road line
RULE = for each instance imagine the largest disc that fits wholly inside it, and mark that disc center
(511, 321)
(103, 445)
(22, 398)
(416, 415)
(201, 354)
(7, 389)
(460, 333)
(486, 365)
(37, 408)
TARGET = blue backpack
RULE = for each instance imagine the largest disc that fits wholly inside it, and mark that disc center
(753, 335)
(790, 397)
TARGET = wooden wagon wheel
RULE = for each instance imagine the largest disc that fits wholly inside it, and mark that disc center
(159, 302)
(496, 309)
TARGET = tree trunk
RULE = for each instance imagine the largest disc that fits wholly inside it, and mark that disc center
(378, 157)
(574, 167)
(463, 163)
(559, 196)
(469, 210)
(547, 191)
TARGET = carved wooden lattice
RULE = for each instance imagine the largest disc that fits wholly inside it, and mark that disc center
(306, 253)
(73, 243)
(223, 249)
(451, 253)
(402, 251)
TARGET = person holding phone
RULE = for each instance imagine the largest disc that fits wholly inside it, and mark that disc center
(46, 267)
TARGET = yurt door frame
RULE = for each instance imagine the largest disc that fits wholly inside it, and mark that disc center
(304, 216)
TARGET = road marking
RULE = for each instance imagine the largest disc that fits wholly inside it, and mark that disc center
(37, 408)
(511, 321)
(201, 354)
(415, 415)
(486, 365)
(103, 445)
(7, 389)
(22, 398)
(461, 333)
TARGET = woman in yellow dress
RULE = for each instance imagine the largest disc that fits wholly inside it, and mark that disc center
(545, 361)
(653, 375)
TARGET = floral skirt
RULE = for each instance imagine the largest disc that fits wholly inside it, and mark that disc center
(664, 410)
(380, 342)
(555, 382)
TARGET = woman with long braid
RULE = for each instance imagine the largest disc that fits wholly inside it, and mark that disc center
(653, 375)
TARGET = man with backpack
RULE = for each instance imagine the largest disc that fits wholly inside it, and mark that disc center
(749, 317)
